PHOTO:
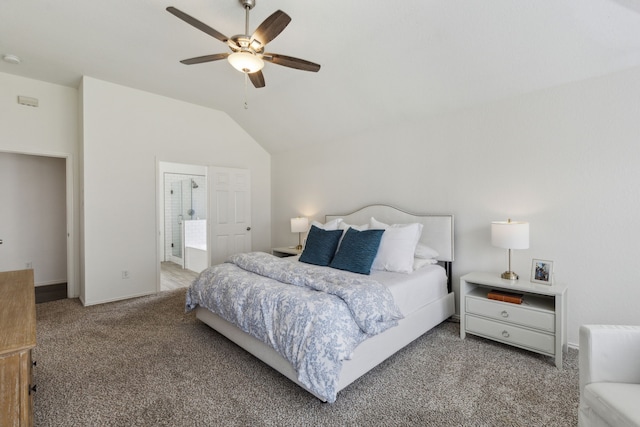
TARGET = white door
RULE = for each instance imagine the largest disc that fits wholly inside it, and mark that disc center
(229, 212)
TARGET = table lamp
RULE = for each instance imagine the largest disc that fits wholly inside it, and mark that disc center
(299, 225)
(510, 235)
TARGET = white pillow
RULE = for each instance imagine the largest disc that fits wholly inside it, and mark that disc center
(331, 225)
(397, 246)
(425, 252)
(344, 226)
(377, 225)
(418, 263)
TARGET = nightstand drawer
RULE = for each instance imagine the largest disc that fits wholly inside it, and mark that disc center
(510, 334)
(512, 313)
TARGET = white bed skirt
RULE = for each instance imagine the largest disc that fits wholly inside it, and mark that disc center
(366, 356)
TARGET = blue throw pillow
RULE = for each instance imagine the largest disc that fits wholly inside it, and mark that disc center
(321, 246)
(357, 251)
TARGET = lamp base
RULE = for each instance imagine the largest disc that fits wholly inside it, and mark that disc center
(509, 275)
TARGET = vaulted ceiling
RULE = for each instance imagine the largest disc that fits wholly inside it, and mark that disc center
(382, 61)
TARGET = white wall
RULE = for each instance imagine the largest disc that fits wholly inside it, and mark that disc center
(565, 159)
(33, 216)
(126, 132)
(51, 129)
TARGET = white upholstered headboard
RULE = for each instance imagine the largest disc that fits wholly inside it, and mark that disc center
(437, 231)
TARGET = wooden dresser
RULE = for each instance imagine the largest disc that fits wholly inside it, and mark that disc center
(17, 339)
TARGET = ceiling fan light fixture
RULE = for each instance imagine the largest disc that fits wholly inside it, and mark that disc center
(245, 62)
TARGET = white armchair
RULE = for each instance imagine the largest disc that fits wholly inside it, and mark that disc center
(609, 376)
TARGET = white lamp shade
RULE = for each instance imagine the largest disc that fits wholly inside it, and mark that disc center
(299, 225)
(245, 62)
(510, 235)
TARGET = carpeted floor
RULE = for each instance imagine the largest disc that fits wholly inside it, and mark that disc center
(144, 362)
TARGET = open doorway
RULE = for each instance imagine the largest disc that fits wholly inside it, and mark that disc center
(34, 215)
(212, 221)
(183, 224)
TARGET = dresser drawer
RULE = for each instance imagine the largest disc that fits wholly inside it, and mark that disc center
(511, 334)
(512, 313)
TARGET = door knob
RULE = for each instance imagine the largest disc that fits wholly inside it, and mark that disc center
(248, 228)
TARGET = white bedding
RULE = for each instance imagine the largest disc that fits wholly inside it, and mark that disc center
(410, 291)
(415, 290)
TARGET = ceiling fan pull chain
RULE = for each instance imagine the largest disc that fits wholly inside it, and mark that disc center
(246, 85)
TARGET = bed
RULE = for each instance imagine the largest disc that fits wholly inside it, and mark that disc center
(417, 317)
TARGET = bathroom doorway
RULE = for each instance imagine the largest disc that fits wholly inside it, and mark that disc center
(213, 219)
(185, 205)
(183, 200)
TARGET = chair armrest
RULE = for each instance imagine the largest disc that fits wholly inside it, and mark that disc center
(609, 353)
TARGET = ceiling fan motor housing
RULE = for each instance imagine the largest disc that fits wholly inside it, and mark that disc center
(247, 4)
(244, 43)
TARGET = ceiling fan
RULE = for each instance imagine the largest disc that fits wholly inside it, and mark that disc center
(247, 51)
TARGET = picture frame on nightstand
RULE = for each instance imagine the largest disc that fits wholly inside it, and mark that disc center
(542, 271)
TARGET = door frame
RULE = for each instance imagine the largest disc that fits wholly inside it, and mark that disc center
(73, 290)
(161, 169)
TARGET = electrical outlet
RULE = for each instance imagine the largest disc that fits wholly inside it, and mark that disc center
(29, 265)
(125, 274)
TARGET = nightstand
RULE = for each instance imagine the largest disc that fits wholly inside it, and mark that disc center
(538, 324)
(285, 252)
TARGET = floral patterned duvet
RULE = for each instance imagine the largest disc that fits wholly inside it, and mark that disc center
(313, 317)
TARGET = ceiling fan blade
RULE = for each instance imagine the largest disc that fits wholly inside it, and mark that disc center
(257, 79)
(291, 62)
(271, 27)
(199, 25)
(205, 58)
